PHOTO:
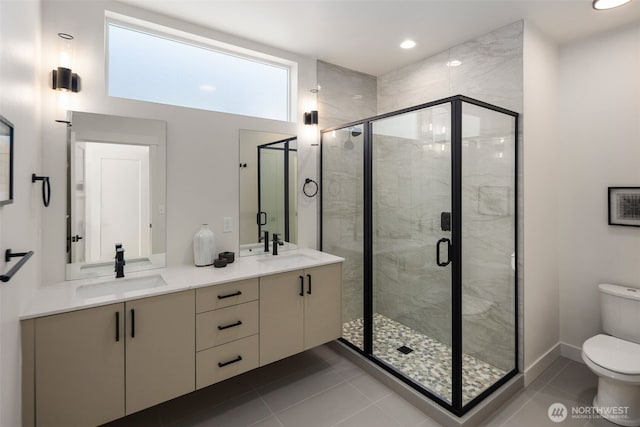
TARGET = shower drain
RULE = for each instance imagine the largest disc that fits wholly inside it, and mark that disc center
(405, 350)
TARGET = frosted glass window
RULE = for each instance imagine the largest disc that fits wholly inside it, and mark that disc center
(152, 68)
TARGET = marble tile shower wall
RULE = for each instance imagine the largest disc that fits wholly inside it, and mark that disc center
(490, 70)
(342, 206)
(344, 96)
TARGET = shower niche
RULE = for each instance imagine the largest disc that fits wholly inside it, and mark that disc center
(422, 205)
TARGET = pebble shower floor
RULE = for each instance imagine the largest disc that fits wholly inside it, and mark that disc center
(430, 361)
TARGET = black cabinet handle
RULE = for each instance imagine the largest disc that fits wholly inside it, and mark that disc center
(236, 360)
(117, 326)
(443, 263)
(133, 323)
(309, 289)
(235, 294)
(301, 286)
(223, 327)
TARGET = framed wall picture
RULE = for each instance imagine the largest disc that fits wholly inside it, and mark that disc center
(6, 161)
(624, 206)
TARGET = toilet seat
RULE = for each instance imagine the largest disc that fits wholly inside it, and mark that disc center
(613, 354)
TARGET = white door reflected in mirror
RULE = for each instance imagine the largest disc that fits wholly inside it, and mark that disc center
(116, 201)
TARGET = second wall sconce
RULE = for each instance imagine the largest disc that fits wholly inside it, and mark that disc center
(311, 118)
(63, 77)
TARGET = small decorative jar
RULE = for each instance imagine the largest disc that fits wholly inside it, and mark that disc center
(204, 246)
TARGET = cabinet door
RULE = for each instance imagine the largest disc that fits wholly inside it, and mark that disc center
(80, 367)
(322, 311)
(281, 314)
(160, 356)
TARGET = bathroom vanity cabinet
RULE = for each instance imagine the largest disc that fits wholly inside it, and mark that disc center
(298, 311)
(89, 366)
(99, 364)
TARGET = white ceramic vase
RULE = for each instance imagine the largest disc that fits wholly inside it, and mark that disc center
(204, 246)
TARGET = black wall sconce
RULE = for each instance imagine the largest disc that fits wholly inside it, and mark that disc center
(64, 79)
(311, 118)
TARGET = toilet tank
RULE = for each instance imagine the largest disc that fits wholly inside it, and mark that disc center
(620, 310)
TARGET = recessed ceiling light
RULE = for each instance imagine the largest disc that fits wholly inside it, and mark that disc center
(454, 63)
(608, 4)
(408, 44)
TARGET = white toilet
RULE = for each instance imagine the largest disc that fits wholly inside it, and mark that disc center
(615, 358)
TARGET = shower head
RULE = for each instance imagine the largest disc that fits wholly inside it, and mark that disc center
(348, 144)
(355, 132)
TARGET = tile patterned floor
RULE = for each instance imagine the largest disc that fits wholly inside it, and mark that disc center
(564, 381)
(320, 388)
(430, 361)
(317, 388)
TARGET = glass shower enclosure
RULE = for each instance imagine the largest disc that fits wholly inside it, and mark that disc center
(422, 205)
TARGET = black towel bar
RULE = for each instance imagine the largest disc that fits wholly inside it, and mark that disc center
(7, 257)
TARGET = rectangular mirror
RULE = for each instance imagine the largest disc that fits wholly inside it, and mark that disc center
(6, 161)
(116, 194)
(268, 190)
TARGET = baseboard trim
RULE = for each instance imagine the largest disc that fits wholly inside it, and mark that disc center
(571, 352)
(543, 362)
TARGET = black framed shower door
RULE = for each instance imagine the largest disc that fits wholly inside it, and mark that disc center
(274, 205)
(422, 204)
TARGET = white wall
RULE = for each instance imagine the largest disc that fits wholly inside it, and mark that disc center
(202, 146)
(540, 174)
(600, 147)
(20, 80)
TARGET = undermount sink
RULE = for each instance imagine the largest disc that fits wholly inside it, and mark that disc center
(286, 260)
(120, 286)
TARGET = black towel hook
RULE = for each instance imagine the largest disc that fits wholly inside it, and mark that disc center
(46, 188)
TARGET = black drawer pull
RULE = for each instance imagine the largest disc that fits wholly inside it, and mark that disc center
(309, 278)
(235, 294)
(236, 360)
(222, 328)
(301, 286)
(117, 326)
(133, 323)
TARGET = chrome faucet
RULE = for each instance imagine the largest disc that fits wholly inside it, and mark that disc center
(120, 262)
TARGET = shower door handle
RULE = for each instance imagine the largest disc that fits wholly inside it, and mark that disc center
(260, 218)
(448, 242)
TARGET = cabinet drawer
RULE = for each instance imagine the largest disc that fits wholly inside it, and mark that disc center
(225, 361)
(220, 296)
(225, 325)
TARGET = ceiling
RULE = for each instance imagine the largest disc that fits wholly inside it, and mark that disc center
(365, 35)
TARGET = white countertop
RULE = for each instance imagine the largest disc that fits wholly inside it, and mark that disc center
(62, 297)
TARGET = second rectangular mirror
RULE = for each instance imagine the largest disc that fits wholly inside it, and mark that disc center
(268, 190)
